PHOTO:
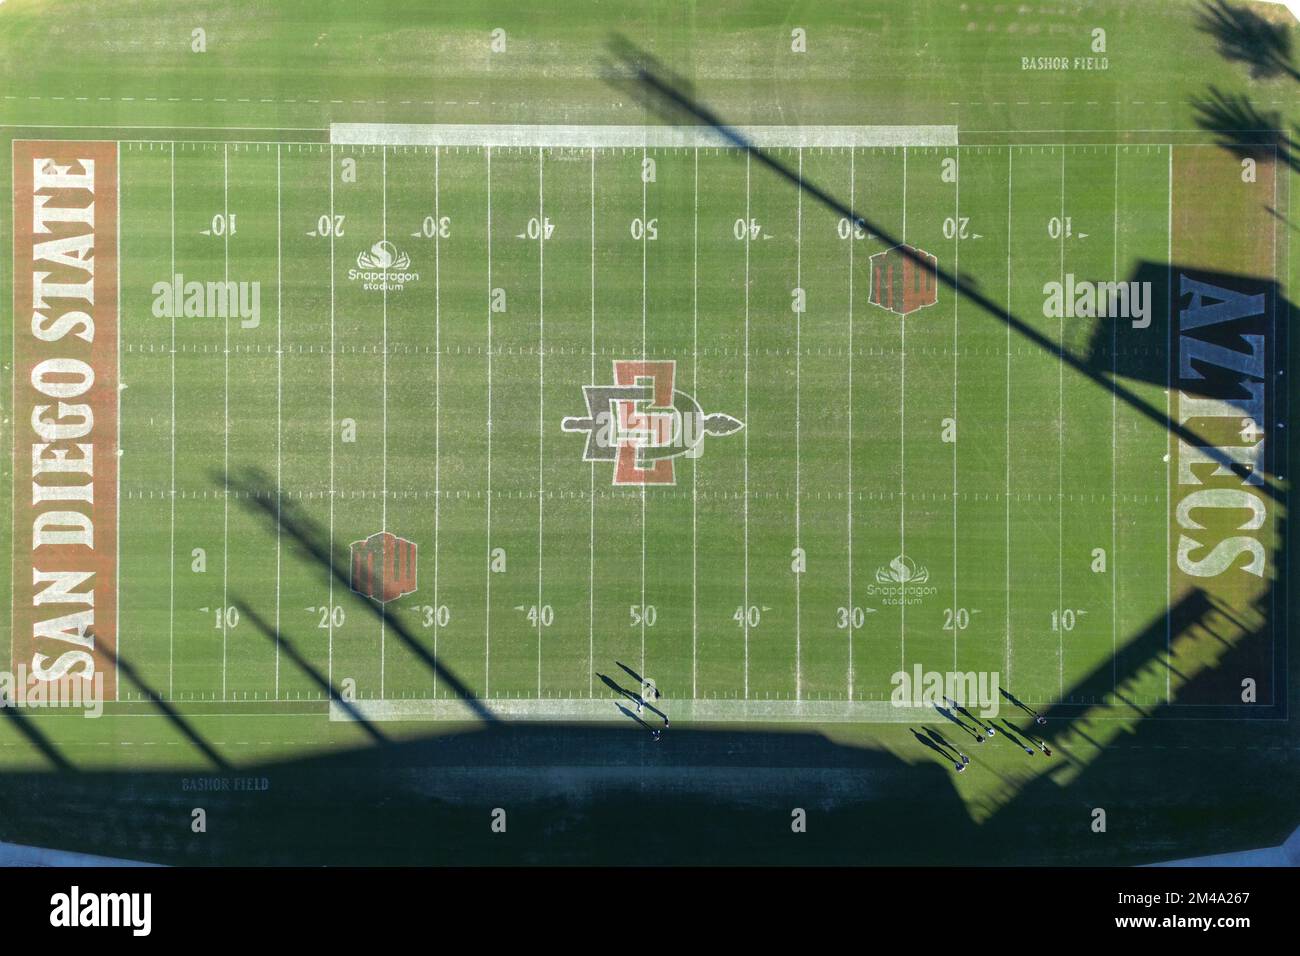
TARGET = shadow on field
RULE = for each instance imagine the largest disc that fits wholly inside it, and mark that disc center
(643, 78)
(286, 646)
(607, 794)
(1140, 354)
(313, 542)
(1243, 129)
(1243, 36)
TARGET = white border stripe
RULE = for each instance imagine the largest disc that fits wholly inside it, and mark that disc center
(535, 136)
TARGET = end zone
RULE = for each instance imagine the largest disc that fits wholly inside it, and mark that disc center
(66, 404)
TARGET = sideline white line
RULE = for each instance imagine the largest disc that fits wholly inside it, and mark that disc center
(586, 137)
(599, 711)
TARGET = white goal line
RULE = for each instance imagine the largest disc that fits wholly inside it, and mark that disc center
(598, 137)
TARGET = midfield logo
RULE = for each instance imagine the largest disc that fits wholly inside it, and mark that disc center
(383, 567)
(642, 423)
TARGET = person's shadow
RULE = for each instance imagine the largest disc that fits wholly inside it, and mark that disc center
(947, 757)
(957, 720)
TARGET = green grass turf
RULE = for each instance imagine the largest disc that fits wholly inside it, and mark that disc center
(721, 538)
(1047, 465)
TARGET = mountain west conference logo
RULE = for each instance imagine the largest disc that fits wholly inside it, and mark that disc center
(383, 567)
(642, 423)
(904, 279)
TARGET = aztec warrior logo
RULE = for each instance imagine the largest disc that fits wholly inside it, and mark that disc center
(642, 423)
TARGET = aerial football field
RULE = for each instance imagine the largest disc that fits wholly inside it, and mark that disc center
(369, 378)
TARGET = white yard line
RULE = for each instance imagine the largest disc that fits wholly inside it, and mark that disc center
(641, 609)
(745, 433)
(13, 403)
(902, 452)
(279, 389)
(695, 465)
(171, 584)
(849, 523)
(1169, 326)
(798, 362)
(541, 397)
(591, 528)
(1060, 465)
(333, 430)
(956, 271)
(117, 569)
(437, 403)
(487, 587)
(225, 429)
(1113, 565)
(1007, 430)
(383, 404)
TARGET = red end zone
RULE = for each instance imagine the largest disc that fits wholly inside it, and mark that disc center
(65, 403)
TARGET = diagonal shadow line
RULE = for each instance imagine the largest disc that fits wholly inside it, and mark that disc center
(669, 101)
(37, 738)
(172, 714)
(310, 538)
(286, 646)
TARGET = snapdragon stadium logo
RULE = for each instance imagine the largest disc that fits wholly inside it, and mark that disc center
(902, 581)
(383, 268)
(904, 279)
(642, 423)
(902, 570)
(383, 567)
(383, 255)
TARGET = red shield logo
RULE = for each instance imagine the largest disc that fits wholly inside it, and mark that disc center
(383, 567)
(904, 279)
